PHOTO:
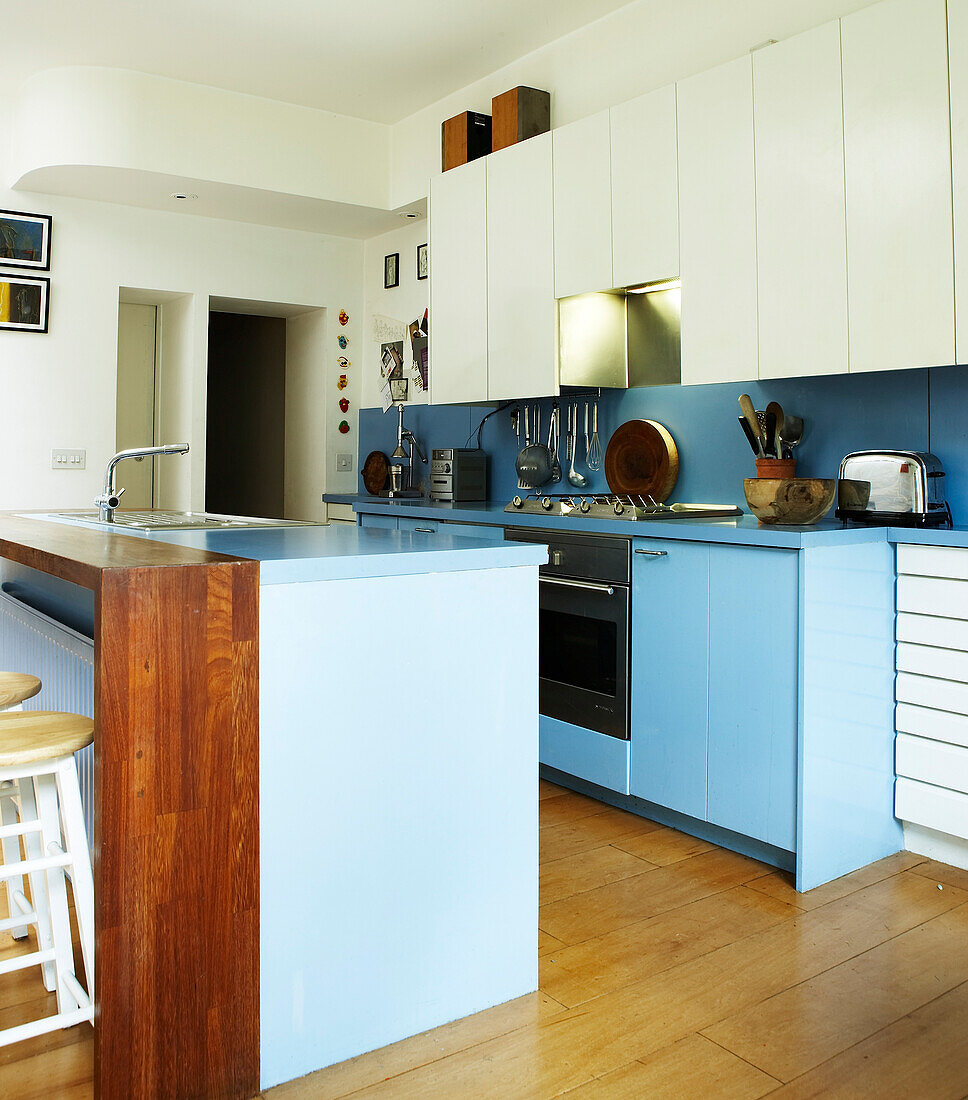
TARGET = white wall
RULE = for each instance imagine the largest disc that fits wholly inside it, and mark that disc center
(405, 302)
(639, 47)
(59, 389)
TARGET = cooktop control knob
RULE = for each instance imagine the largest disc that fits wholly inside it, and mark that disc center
(517, 502)
(583, 505)
(618, 507)
(546, 503)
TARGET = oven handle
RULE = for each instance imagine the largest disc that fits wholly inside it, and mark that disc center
(605, 589)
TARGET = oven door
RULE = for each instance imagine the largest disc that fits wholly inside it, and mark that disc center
(584, 654)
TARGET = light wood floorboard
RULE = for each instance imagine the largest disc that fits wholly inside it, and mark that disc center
(668, 968)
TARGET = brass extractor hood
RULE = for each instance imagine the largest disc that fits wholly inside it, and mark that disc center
(620, 338)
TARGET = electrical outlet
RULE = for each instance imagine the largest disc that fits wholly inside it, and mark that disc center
(344, 462)
(63, 459)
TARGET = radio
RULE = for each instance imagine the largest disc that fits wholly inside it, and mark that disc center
(458, 473)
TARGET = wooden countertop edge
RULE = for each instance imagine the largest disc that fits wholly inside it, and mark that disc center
(81, 555)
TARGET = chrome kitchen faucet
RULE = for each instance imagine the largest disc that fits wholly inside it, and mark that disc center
(110, 498)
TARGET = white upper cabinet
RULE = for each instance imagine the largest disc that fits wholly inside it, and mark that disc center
(645, 189)
(521, 305)
(801, 230)
(583, 212)
(958, 83)
(898, 165)
(458, 285)
(717, 224)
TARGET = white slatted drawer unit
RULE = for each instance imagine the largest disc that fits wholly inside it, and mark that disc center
(932, 630)
(932, 688)
(938, 725)
(934, 807)
(933, 762)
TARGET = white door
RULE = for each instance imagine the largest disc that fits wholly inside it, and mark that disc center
(521, 308)
(583, 207)
(458, 285)
(135, 424)
(645, 189)
(801, 215)
(717, 224)
(900, 254)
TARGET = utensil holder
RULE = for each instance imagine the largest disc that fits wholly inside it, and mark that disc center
(776, 467)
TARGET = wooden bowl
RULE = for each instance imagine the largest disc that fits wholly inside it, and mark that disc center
(798, 501)
(642, 460)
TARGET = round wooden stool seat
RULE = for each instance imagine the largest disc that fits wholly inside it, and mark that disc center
(15, 687)
(26, 736)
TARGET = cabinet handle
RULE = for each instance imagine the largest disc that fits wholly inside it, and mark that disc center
(654, 553)
(426, 530)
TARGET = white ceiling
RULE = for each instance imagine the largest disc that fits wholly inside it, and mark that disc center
(375, 59)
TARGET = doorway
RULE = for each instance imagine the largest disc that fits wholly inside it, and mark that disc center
(136, 391)
(245, 444)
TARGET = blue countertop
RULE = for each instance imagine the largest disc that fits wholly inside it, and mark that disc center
(745, 530)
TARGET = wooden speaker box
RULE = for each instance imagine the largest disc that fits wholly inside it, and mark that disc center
(463, 138)
(520, 114)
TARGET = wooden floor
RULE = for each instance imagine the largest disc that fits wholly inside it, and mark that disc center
(669, 968)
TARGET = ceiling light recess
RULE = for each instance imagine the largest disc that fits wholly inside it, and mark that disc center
(183, 196)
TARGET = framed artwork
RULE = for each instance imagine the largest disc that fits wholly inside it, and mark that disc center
(398, 389)
(391, 270)
(24, 303)
(25, 240)
(423, 263)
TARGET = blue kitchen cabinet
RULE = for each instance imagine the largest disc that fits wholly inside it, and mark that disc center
(752, 693)
(475, 531)
(670, 659)
(378, 520)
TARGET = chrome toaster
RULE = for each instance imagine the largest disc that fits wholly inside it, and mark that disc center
(894, 488)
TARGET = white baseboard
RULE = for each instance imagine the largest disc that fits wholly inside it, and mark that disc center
(940, 846)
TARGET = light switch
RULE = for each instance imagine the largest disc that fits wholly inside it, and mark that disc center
(344, 462)
(63, 459)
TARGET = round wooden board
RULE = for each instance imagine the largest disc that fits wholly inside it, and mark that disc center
(642, 460)
(376, 472)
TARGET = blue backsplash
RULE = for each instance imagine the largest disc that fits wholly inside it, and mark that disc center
(918, 410)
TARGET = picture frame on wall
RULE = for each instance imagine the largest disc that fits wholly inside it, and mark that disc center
(423, 262)
(25, 240)
(24, 303)
(399, 390)
(391, 270)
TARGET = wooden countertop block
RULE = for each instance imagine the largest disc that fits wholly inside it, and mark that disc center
(15, 687)
(26, 736)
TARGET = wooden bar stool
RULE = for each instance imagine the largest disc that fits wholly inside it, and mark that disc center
(15, 689)
(37, 752)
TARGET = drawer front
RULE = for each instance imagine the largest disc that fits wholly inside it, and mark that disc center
(379, 521)
(933, 561)
(928, 660)
(474, 531)
(927, 691)
(932, 630)
(933, 762)
(418, 526)
(933, 596)
(934, 807)
(941, 725)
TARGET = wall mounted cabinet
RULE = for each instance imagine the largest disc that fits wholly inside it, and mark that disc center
(583, 206)
(801, 216)
(717, 224)
(645, 189)
(492, 333)
(897, 155)
(458, 287)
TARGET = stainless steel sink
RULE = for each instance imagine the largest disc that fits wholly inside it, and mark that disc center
(159, 520)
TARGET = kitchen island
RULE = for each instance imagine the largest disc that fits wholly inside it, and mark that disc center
(315, 828)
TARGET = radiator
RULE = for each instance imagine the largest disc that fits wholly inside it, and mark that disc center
(63, 659)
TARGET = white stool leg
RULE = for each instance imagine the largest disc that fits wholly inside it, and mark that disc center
(82, 879)
(11, 850)
(34, 848)
(60, 924)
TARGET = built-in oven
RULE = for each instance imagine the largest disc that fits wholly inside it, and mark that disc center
(584, 629)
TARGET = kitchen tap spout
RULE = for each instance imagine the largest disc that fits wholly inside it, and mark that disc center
(110, 498)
